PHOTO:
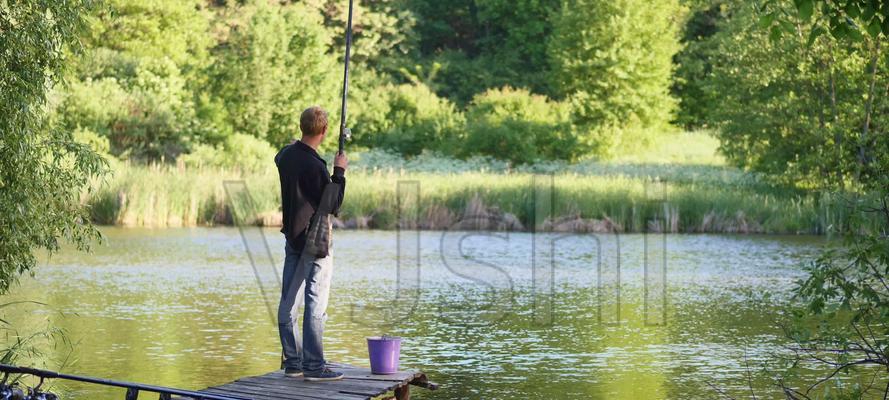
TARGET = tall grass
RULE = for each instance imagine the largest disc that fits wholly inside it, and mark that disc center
(699, 198)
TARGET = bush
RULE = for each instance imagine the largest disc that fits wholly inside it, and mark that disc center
(238, 151)
(272, 67)
(135, 83)
(408, 119)
(512, 124)
(146, 116)
(797, 107)
(99, 144)
(614, 60)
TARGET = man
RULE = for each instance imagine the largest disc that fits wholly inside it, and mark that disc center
(304, 176)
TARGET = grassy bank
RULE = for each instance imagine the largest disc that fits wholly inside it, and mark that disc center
(622, 194)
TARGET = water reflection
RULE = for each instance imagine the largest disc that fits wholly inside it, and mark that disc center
(182, 308)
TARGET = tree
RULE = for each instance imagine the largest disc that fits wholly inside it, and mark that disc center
(408, 118)
(694, 66)
(842, 322)
(613, 61)
(514, 125)
(797, 104)
(42, 170)
(383, 36)
(140, 76)
(271, 63)
(484, 44)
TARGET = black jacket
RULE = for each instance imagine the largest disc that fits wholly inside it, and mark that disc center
(303, 175)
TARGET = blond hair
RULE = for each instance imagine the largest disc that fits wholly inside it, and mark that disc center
(313, 121)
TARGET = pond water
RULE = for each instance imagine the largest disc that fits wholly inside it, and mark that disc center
(486, 315)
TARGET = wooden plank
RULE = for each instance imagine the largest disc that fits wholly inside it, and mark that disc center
(358, 383)
(334, 386)
(371, 389)
(366, 375)
(285, 392)
(363, 372)
(354, 376)
(344, 393)
(266, 393)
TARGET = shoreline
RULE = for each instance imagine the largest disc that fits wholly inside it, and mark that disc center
(698, 200)
(529, 231)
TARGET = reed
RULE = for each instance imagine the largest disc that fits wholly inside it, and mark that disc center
(698, 198)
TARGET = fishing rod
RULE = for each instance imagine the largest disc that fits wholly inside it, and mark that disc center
(346, 133)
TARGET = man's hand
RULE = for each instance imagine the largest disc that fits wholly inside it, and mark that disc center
(341, 161)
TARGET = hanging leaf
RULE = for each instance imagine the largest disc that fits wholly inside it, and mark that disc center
(838, 32)
(855, 34)
(813, 35)
(852, 9)
(806, 8)
(766, 20)
(874, 28)
(870, 9)
(787, 26)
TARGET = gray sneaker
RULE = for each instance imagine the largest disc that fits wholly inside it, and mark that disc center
(323, 375)
(293, 372)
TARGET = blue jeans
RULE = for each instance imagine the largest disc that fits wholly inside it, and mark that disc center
(306, 279)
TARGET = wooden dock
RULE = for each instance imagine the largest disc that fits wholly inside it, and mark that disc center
(358, 383)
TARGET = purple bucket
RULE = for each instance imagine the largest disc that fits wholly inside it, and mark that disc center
(384, 352)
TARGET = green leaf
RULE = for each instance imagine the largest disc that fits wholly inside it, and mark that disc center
(814, 34)
(874, 28)
(886, 25)
(869, 11)
(806, 8)
(839, 31)
(852, 9)
(787, 26)
(834, 22)
(775, 33)
(854, 33)
(766, 20)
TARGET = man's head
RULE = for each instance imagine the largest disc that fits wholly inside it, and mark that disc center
(313, 123)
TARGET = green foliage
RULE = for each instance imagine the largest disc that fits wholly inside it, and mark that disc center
(841, 323)
(460, 77)
(613, 61)
(702, 198)
(486, 44)
(409, 118)
(382, 31)
(151, 29)
(520, 127)
(237, 152)
(96, 142)
(145, 116)
(135, 83)
(160, 78)
(42, 170)
(852, 20)
(693, 65)
(799, 110)
(271, 66)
